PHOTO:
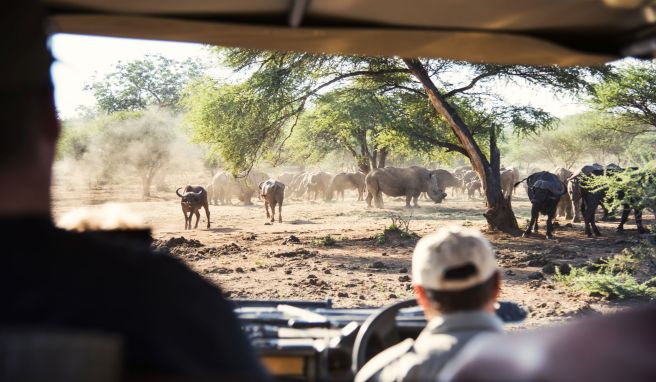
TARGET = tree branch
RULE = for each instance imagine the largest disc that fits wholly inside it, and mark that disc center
(349, 75)
(471, 84)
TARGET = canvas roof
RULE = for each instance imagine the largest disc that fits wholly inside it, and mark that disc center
(566, 32)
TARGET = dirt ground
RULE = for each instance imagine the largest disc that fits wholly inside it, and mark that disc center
(251, 258)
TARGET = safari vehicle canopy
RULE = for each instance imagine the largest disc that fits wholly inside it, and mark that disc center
(564, 32)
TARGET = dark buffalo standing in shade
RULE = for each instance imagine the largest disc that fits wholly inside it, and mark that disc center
(592, 198)
(544, 191)
(191, 200)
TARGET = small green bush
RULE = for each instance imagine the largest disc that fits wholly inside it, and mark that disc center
(394, 230)
(326, 241)
(611, 278)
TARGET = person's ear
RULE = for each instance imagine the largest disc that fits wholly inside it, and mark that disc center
(497, 286)
(422, 299)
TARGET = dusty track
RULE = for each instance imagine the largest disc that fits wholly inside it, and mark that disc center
(249, 258)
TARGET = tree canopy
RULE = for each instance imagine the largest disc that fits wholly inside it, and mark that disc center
(629, 93)
(585, 137)
(135, 85)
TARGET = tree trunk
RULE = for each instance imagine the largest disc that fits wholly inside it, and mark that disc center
(382, 157)
(499, 214)
(373, 164)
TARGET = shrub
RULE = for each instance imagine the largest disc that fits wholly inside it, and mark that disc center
(326, 241)
(611, 278)
(400, 228)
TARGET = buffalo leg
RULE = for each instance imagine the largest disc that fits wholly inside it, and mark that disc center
(550, 226)
(369, 197)
(197, 213)
(407, 201)
(266, 207)
(638, 218)
(577, 209)
(591, 202)
(273, 211)
(207, 213)
(184, 213)
(626, 210)
(534, 218)
(586, 207)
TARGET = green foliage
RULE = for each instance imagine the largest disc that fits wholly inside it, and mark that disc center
(578, 138)
(75, 138)
(333, 98)
(636, 187)
(629, 91)
(642, 149)
(325, 241)
(611, 278)
(136, 85)
(234, 120)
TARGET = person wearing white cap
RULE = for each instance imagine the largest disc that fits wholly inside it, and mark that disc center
(456, 281)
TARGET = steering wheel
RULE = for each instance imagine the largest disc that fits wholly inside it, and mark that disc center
(380, 329)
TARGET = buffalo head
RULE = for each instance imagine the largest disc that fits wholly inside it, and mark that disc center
(190, 198)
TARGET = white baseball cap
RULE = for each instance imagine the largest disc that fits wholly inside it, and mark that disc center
(451, 248)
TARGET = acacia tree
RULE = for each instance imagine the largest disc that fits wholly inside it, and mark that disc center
(628, 92)
(135, 85)
(357, 119)
(289, 81)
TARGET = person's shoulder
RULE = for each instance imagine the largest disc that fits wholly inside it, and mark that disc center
(130, 254)
(388, 357)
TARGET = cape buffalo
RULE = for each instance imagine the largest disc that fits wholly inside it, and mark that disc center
(592, 198)
(544, 191)
(191, 200)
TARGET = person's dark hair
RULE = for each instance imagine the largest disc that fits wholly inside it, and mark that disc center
(473, 298)
(25, 86)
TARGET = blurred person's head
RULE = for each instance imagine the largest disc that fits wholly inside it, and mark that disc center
(454, 270)
(113, 222)
(27, 113)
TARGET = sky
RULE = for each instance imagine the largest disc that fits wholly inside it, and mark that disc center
(79, 58)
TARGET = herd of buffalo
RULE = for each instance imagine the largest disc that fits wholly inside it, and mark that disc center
(560, 192)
